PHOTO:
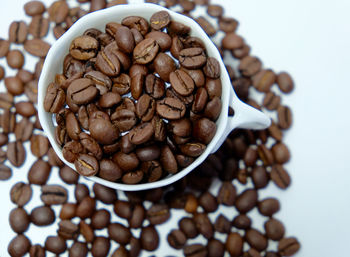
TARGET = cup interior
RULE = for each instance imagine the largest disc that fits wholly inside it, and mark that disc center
(54, 63)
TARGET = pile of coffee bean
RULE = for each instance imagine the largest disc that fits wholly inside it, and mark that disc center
(214, 211)
(156, 130)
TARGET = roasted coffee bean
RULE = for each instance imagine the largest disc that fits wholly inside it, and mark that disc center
(15, 59)
(271, 101)
(246, 200)
(274, 229)
(206, 26)
(68, 211)
(91, 145)
(158, 214)
(212, 68)
(176, 47)
(26, 109)
(124, 119)
(204, 225)
(242, 221)
(133, 177)
(127, 162)
(260, 177)
(125, 39)
(263, 80)
(14, 85)
(136, 86)
(55, 244)
(204, 130)
(162, 38)
(109, 100)
(145, 51)
(37, 251)
(54, 98)
(20, 194)
(39, 172)
(250, 66)
(228, 24)
(102, 82)
(6, 100)
(149, 238)
(37, 47)
(213, 87)
(121, 84)
(154, 86)
(159, 20)
(280, 176)
(103, 130)
(104, 194)
(222, 224)
(81, 191)
(284, 117)
(181, 82)
(86, 165)
(208, 202)
(42, 216)
(78, 249)
(136, 22)
(256, 239)
(164, 65)
(8, 121)
(86, 207)
(192, 58)
(58, 11)
(16, 153)
(268, 206)
(100, 219)
(232, 41)
(5, 172)
(192, 149)
(242, 52)
(171, 108)
(137, 216)
(71, 150)
(227, 194)
(39, 145)
(145, 108)
(53, 195)
(119, 233)
(18, 246)
(108, 63)
(68, 230)
(142, 133)
(68, 175)
(265, 155)
(19, 220)
(285, 82)
(176, 239)
(18, 32)
(215, 248)
(39, 26)
(234, 244)
(109, 170)
(34, 8)
(86, 231)
(188, 227)
(168, 161)
(54, 160)
(82, 91)
(280, 153)
(288, 246)
(195, 250)
(178, 28)
(148, 153)
(4, 47)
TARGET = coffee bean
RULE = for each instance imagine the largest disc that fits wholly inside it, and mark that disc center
(288, 246)
(260, 177)
(249, 66)
(242, 221)
(206, 26)
(100, 219)
(109, 170)
(55, 244)
(108, 63)
(274, 229)
(5, 172)
(86, 231)
(263, 80)
(188, 227)
(158, 214)
(67, 211)
(195, 250)
(136, 22)
(82, 91)
(271, 101)
(222, 224)
(39, 145)
(176, 239)
(15, 59)
(54, 98)
(192, 58)
(78, 249)
(86, 207)
(68, 175)
(192, 149)
(3, 139)
(256, 239)
(149, 238)
(133, 177)
(19, 220)
(68, 230)
(16, 153)
(145, 51)
(39, 172)
(265, 155)
(280, 176)
(164, 65)
(18, 32)
(81, 191)
(159, 20)
(204, 225)
(103, 130)
(148, 153)
(145, 108)
(285, 82)
(284, 117)
(123, 209)
(26, 109)
(71, 150)
(58, 11)
(228, 24)
(281, 153)
(181, 82)
(213, 87)
(100, 246)
(227, 194)
(268, 206)
(42, 216)
(125, 39)
(34, 8)
(171, 108)
(20, 194)
(86, 165)
(232, 41)
(215, 248)
(37, 251)
(4, 47)
(104, 194)
(14, 85)
(53, 194)
(18, 246)
(246, 200)
(119, 233)
(37, 47)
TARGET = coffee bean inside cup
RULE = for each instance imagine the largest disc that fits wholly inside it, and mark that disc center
(102, 106)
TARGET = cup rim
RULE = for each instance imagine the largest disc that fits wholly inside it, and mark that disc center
(196, 30)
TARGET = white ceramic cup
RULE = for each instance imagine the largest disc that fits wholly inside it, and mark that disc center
(244, 115)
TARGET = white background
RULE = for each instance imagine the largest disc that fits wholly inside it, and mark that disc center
(310, 39)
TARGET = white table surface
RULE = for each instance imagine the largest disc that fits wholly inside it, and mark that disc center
(311, 40)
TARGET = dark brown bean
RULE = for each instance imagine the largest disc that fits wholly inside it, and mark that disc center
(37, 47)
(284, 117)
(149, 238)
(16, 153)
(285, 82)
(288, 246)
(42, 216)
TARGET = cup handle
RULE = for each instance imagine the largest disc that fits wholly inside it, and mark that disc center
(245, 117)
